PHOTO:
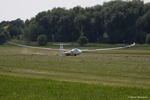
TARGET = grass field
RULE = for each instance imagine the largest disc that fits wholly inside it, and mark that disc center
(32, 74)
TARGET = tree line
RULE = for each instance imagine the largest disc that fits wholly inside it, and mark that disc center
(113, 22)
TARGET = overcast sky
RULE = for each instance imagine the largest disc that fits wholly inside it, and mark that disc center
(26, 9)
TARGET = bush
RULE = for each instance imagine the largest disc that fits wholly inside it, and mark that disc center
(148, 39)
(82, 40)
(42, 40)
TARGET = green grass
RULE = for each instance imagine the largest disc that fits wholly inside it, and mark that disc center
(16, 88)
(32, 74)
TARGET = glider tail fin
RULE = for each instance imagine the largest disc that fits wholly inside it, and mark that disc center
(61, 49)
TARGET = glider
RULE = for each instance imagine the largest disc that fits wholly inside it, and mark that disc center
(74, 51)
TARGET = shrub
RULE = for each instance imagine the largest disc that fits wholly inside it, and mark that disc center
(42, 40)
(82, 40)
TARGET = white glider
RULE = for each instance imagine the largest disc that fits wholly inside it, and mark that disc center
(74, 51)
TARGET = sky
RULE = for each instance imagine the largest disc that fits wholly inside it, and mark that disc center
(26, 9)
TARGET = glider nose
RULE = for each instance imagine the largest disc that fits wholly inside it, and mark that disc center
(80, 51)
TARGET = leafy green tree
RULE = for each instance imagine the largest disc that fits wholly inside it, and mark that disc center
(34, 31)
(82, 40)
(79, 23)
(14, 31)
(97, 26)
(148, 39)
(6, 33)
(3, 38)
(27, 22)
(117, 21)
(17, 23)
(14, 28)
(42, 40)
(26, 34)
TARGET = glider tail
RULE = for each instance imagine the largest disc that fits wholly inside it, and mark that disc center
(61, 49)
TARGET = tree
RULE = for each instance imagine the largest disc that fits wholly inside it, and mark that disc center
(3, 38)
(117, 21)
(6, 33)
(34, 30)
(14, 31)
(97, 26)
(148, 39)
(82, 40)
(42, 40)
(26, 34)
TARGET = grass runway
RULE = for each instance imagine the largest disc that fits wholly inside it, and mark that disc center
(32, 74)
